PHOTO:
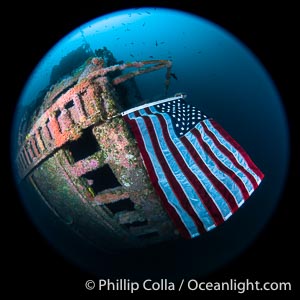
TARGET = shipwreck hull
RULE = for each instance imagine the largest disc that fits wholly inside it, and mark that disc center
(85, 164)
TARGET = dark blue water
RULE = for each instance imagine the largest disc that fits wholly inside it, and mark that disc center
(220, 76)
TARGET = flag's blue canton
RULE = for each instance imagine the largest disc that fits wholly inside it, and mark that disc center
(184, 116)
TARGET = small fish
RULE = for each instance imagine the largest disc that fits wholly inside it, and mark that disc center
(162, 42)
(156, 44)
(117, 38)
(148, 12)
(132, 43)
(144, 24)
(174, 76)
(131, 55)
(151, 56)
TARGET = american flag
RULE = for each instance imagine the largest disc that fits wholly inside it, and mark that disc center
(201, 174)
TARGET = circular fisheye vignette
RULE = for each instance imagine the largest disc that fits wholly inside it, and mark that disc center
(75, 166)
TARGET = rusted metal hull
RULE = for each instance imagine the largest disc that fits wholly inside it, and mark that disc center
(104, 194)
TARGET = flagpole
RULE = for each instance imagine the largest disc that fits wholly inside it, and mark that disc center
(128, 111)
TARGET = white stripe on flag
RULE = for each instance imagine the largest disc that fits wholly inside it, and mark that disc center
(200, 175)
(233, 150)
(189, 191)
(163, 182)
(224, 159)
(225, 179)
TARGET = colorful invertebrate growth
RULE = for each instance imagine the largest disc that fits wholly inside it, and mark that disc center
(85, 166)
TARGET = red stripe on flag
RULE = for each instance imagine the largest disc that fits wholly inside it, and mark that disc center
(153, 177)
(177, 189)
(207, 201)
(229, 155)
(220, 165)
(237, 146)
(218, 185)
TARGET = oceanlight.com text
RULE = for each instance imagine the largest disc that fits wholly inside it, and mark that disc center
(239, 286)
